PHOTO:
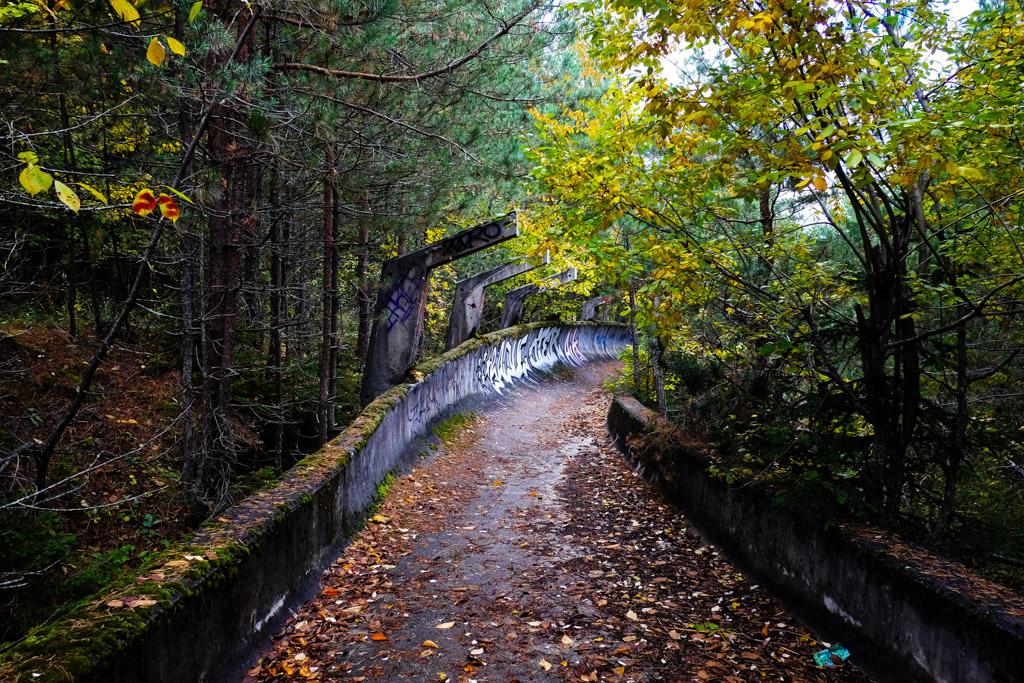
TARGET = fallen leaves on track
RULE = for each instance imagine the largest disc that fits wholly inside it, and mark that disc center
(601, 581)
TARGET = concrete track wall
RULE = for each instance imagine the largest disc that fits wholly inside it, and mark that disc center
(191, 613)
(904, 615)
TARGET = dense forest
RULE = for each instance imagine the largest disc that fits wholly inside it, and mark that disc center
(201, 195)
(810, 210)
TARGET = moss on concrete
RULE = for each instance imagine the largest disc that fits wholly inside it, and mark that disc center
(94, 636)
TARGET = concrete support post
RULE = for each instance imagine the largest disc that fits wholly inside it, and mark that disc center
(512, 314)
(468, 306)
(402, 300)
(590, 307)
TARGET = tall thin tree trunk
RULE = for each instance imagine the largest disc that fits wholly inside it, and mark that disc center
(298, 346)
(72, 285)
(230, 151)
(657, 363)
(363, 298)
(332, 377)
(277, 306)
(634, 337)
(221, 314)
(69, 162)
(958, 441)
(188, 350)
(324, 411)
(189, 295)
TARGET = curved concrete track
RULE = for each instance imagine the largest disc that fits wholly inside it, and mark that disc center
(526, 550)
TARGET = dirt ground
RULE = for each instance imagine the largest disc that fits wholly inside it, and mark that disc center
(528, 551)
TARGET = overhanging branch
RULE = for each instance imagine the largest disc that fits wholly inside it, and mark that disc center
(506, 26)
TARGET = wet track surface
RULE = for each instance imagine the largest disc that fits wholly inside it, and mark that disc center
(526, 550)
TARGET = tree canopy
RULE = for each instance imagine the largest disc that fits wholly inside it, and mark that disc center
(823, 199)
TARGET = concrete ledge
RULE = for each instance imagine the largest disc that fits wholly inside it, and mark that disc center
(905, 615)
(189, 613)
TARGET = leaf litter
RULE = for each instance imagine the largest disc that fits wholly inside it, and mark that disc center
(572, 569)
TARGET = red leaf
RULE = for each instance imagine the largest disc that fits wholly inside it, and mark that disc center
(168, 208)
(145, 202)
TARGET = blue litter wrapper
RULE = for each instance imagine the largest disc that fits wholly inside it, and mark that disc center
(828, 657)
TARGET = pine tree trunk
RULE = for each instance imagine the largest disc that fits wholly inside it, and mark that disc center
(364, 299)
(229, 150)
(277, 307)
(332, 369)
(324, 411)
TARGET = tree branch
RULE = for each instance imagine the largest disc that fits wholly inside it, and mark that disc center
(380, 78)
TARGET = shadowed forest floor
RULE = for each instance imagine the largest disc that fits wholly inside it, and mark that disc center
(527, 550)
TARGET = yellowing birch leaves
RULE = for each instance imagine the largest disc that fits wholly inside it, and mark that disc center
(176, 46)
(155, 53)
(126, 11)
(35, 179)
(67, 196)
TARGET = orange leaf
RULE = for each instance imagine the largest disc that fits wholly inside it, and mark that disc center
(378, 636)
(145, 202)
(168, 208)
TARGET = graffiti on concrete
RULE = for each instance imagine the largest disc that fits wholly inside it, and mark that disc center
(473, 239)
(505, 363)
(398, 312)
(404, 300)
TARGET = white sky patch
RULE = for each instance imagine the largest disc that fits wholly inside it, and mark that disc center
(673, 65)
(678, 67)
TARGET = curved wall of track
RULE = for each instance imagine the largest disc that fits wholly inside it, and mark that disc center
(904, 615)
(193, 612)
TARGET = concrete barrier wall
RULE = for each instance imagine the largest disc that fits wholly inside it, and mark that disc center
(191, 613)
(904, 615)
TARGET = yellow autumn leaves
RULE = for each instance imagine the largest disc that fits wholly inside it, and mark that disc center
(155, 52)
(35, 180)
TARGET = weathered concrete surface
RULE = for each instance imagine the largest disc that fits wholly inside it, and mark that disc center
(402, 300)
(590, 307)
(468, 301)
(205, 601)
(530, 537)
(512, 312)
(905, 615)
